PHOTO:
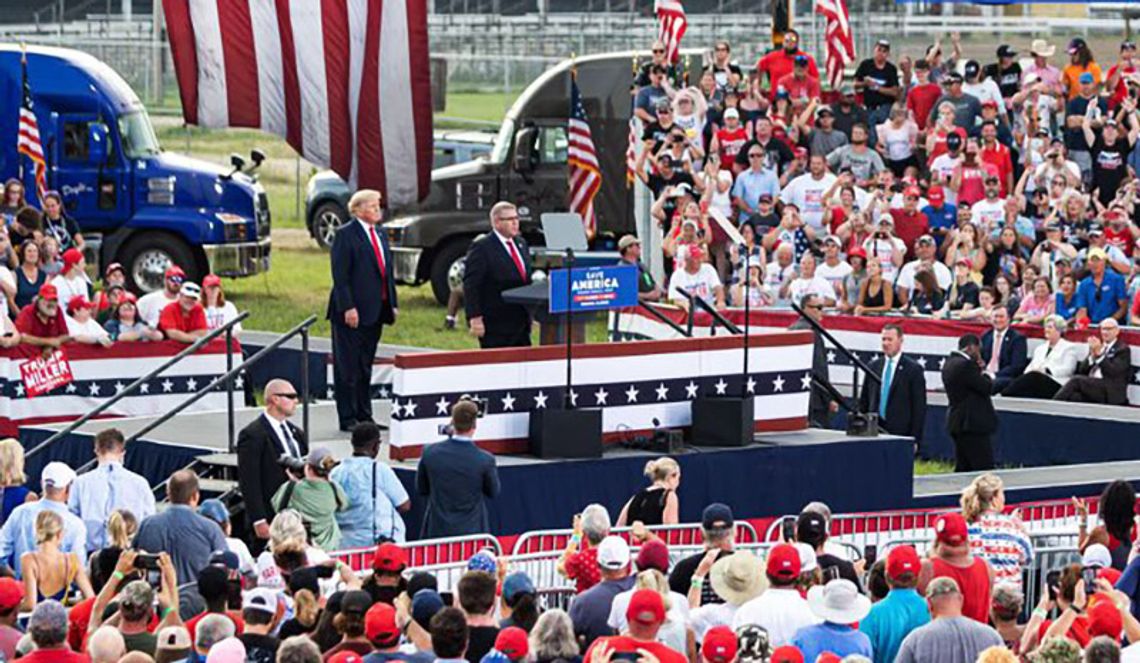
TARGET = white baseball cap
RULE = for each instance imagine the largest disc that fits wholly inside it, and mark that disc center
(731, 112)
(260, 598)
(613, 553)
(57, 475)
(1097, 555)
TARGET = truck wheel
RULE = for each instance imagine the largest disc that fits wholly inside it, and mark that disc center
(146, 258)
(328, 217)
(451, 253)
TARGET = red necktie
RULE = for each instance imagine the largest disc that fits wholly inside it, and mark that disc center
(518, 260)
(379, 262)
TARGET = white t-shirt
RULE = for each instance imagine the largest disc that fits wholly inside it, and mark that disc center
(246, 565)
(678, 610)
(268, 575)
(69, 288)
(216, 316)
(816, 285)
(779, 611)
(774, 274)
(834, 275)
(90, 328)
(941, 274)
(987, 213)
(986, 90)
(882, 250)
(942, 169)
(151, 305)
(703, 284)
(806, 193)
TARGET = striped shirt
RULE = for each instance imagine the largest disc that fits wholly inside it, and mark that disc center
(1003, 541)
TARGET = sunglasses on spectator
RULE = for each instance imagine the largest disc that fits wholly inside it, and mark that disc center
(664, 111)
(291, 396)
(658, 50)
(755, 156)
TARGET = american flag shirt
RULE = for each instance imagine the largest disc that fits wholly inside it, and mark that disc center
(1003, 541)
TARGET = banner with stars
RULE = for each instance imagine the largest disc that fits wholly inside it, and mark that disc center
(98, 373)
(633, 384)
(926, 340)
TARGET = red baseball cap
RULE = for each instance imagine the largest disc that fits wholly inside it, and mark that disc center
(77, 302)
(646, 607)
(380, 625)
(902, 559)
(389, 557)
(345, 657)
(1105, 619)
(912, 191)
(951, 529)
(935, 194)
(787, 654)
(784, 561)
(48, 291)
(11, 594)
(172, 271)
(828, 657)
(112, 268)
(857, 252)
(211, 280)
(71, 258)
(512, 642)
(654, 554)
(719, 645)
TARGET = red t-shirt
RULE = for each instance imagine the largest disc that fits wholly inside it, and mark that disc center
(1078, 632)
(974, 582)
(920, 100)
(54, 656)
(805, 88)
(623, 644)
(1121, 239)
(235, 617)
(173, 317)
(779, 63)
(909, 227)
(30, 323)
(582, 568)
(1120, 92)
(838, 218)
(730, 141)
(998, 157)
(940, 143)
(973, 188)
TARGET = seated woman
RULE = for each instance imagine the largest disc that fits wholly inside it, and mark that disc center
(927, 297)
(758, 293)
(48, 572)
(12, 478)
(125, 324)
(875, 293)
(963, 294)
(1051, 366)
(1067, 303)
(1035, 308)
(81, 324)
(218, 310)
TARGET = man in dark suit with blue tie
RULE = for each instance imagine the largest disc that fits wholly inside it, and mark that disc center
(497, 261)
(900, 396)
(1009, 362)
(457, 478)
(259, 446)
(362, 301)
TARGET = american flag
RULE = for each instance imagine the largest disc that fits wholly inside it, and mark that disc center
(671, 26)
(839, 44)
(345, 82)
(585, 175)
(28, 135)
(632, 151)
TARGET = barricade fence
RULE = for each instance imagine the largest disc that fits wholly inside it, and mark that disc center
(683, 534)
(423, 555)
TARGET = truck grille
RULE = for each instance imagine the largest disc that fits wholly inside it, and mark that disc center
(262, 216)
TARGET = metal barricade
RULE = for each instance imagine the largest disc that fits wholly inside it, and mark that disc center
(427, 554)
(683, 534)
(1044, 561)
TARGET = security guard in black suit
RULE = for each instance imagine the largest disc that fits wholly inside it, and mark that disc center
(970, 417)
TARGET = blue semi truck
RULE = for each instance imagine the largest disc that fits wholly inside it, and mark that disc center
(136, 204)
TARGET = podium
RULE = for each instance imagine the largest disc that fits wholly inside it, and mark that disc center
(551, 326)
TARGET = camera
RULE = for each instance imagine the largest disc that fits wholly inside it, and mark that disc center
(294, 465)
(146, 562)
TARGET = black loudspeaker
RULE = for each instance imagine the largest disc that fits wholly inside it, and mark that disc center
(566, 433)
(724, 421)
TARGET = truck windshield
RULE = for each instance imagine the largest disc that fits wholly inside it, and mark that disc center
(138, 135)
(503, 142)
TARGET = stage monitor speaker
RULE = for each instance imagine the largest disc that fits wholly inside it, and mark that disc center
(566, 433)
(863, 424)
(725, 421)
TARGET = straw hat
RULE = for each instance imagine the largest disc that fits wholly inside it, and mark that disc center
(738, 578)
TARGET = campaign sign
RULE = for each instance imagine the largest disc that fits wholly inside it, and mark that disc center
(42, 374)
(593, 288)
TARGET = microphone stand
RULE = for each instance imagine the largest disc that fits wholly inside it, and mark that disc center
(747, 321)
(567, 402)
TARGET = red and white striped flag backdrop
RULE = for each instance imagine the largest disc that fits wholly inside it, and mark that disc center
(671, 26)
(310, 71)
(839, 45)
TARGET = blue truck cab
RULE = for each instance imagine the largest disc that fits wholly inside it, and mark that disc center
(135, 204)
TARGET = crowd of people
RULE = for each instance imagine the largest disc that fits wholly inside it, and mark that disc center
(931, 185)
(48, 299)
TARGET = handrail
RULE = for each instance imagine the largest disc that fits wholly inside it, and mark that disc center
(105, 405)
(711, 310)
(301, 328)
(855, 361)
(664, 318)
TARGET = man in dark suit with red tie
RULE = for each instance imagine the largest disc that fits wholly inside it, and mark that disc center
(362, 301)
(497, 261)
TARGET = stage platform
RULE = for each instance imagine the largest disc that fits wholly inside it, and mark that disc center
(1028, 484)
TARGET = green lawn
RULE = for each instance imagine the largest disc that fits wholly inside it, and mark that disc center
(932, 467)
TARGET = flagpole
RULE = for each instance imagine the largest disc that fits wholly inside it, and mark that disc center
(23, 86)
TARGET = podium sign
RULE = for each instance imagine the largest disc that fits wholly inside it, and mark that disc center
(593, 288)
